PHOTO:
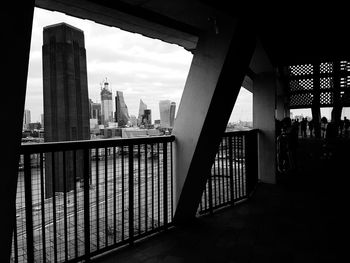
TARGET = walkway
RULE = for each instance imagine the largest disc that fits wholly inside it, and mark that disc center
(301, 219)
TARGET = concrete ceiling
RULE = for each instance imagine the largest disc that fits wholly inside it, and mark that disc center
(290, 34)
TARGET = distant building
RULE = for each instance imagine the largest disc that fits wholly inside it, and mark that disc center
(142, 109)
(147, 118)
(106, 104)
(66, 103)
(167, 113)
(121, 110)
(42, 120)
(172, 113)
(26, 119)
(95, 111)
(133, 120)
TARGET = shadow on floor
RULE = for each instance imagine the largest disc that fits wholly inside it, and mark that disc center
(300, 219)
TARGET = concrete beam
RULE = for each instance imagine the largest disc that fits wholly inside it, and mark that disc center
(16, 29)
(218, 68)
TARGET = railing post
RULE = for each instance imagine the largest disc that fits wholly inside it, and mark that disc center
(210, 193)
(87, 205)
(251, 161)
(29, 207)
(131, 194)
(165, 184)
(230, 150)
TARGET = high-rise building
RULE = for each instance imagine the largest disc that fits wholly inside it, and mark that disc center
(167, 113)
(172, 113)
(42, 120)
(121, 110)
(133, 120)
(66, 103)
(26, 119)
(95, 111)
(142, 109)
(106, 104)
(147, 118)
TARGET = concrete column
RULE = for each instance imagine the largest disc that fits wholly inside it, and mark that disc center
(264, 101)
(16, 29)
(218, 68)
(282, 110)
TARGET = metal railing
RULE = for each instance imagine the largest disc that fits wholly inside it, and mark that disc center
(234, 173)
(76, 200)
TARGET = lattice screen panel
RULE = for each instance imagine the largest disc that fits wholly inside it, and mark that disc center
(299, 70)
(326, 98)
(301, 84)
(326, 67)
(301, 100)
(303, 81)
(326, 83)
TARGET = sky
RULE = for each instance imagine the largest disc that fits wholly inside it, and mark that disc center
(140, 67)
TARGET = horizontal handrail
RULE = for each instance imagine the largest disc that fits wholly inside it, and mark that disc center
(89, 144)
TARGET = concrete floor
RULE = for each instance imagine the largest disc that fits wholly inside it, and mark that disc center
(301, 219)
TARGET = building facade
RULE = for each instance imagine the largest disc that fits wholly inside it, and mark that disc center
(142, 109)
(66, 102)
(167, 113)
(106, 104)
(26, 119)
(121, 110)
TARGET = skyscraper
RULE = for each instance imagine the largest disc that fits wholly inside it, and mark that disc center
(66, 102)
(164, 110)
(26, 118)
(167, 113)
(142, 109)
(172, 113)
(121, 110)
(106, 104)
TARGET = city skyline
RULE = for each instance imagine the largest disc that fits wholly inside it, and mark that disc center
(140, 67)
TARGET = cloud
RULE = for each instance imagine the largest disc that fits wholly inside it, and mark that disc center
(140, 67)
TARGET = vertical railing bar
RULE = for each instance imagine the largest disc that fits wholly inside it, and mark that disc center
(123, 192)
(222, 177)
(65, 206)
(75, 203)
(210, 187)
(97, 201)
(158, 183)
(235, 163)
(42, 200)
(152, 168)
(146, 188)
(241, 165)
(238, 167)
(216, 163)
(131, 194)
(87, 204)
(114, 196)
(106, 196)
(165, 184)
(139, 186)
(29, 208)
(171, 180)
(227, 170)
(54, 206)
(231, 169)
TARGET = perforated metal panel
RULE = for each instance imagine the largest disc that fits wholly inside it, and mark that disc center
(326, 98)
(303, 81)
(326, 83)
(326, 67)
(299, 70)
(301, 99)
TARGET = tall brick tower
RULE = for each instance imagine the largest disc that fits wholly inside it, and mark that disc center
(66, 103)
